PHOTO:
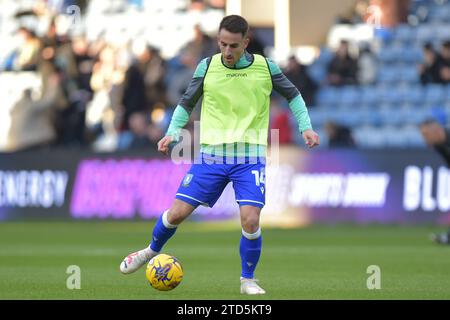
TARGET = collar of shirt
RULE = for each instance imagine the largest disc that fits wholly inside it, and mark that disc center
(244, 61)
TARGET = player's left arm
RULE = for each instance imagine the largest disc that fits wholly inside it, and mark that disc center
(286, 88)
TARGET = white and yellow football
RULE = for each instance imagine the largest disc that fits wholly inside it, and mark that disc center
(164, 272)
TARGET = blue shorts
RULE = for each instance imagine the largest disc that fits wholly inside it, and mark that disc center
(205, 182)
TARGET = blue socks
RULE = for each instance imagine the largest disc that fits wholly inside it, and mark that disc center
(250, 251)
(162, 232)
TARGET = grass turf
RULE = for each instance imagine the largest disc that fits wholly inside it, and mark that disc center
(318, 262)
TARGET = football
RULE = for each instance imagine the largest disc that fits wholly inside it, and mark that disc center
(164, 272)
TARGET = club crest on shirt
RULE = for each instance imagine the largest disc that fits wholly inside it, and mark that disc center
(187, 179)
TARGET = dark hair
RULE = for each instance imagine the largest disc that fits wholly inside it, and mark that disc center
(234, 24)
(428, 46)
(428, 121)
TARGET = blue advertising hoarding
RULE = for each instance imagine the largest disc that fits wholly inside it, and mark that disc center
(302, 187)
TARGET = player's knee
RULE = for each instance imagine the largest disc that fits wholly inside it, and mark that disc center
(175, 217)
(178, 213)
(250, 223)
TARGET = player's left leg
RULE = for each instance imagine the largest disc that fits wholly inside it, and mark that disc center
(250, 248)
(249, 186)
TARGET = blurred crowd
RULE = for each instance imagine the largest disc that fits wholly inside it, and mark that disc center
(95, 93)
(436, 65)
(116, 97)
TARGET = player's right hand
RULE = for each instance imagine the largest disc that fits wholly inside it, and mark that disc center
(163, 144)
(311, 138)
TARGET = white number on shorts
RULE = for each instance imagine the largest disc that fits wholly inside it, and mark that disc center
(260, 177)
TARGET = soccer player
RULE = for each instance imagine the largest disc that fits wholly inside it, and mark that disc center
(236, 87)
(438, 137)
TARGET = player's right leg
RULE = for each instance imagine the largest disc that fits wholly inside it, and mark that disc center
(202, 185)
(164, 229)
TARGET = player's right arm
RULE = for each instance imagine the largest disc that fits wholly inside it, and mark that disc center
(185, 106)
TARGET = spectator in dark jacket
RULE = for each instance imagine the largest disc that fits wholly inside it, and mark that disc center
(339, 136)
(134, 98)
(444, 63)
(298, 75)
(342, 69)
(429, 69)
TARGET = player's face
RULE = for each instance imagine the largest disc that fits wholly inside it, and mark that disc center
(433, 134)
(232, 46)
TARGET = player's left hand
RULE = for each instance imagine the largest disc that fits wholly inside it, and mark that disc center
(311, 138)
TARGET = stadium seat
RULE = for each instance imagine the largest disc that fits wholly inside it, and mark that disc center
(443, 34)
(416, 116)
(317, 71)
(439, 14)
(367, 136)
(370, 117)
(393, 97)
(425, 32)
(434, 94)
(414, 137)
(447, 93)
(387, 75)
(387, 55)
(391, 115)
(397, 137)
(319, 116)
(447, 110)
(405, 33)
(369, 96)
(412, 54)
(327, 96)
(349, 95)
(409, 74)
(383, 34)
(404, 91)
(415, 95)
(325, 56)
(348, 115)
(383, 92)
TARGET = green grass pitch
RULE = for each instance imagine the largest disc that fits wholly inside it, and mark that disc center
(317, 262)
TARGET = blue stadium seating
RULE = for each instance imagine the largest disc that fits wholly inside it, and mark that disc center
(349, 95)
(369, 96)
(434, 94)
(412, 54)
(319, 116)
(405, 34)
(387, 75)
(425, 33)
(369, 137)
(318, 72)
(327, 96)
(387, 113)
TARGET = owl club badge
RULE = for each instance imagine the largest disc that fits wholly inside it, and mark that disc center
(187, 179)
